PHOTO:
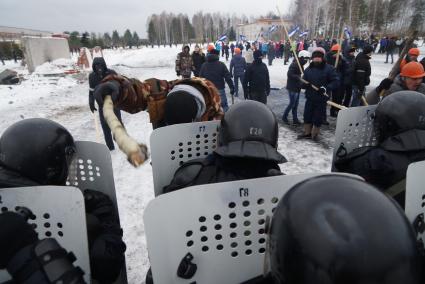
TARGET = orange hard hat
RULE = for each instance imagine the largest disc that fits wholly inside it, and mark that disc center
(414, 51)
(237, 50)
(210, 47)
(413, 70)
(335, 47)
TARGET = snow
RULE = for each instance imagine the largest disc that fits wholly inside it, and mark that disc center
(63, 98)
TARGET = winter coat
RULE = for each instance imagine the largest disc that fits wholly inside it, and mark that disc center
(362, 71)
(226, 49)
(391, 45)
(271, 53)
(198, 59)
(95, 79)
(237, 65)
(373, 96)
(216, 72)
(184, 64)
(321, 75)
(348, 78)
(136, 96)
(341, 69)
(294, 78)
(215, 168)
(265, 48)
(257, 78)
(249, 56)
(423, 64)
(386, 164)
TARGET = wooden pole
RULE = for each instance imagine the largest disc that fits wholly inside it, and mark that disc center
(136, 153)
(96, 126)
(340, 46)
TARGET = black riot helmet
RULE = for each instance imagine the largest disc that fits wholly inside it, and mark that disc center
(38, 149)
(249, 129)
(337, 229)
(401, 111)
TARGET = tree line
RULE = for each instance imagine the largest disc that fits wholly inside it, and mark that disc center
(328, 18)
(90, 40)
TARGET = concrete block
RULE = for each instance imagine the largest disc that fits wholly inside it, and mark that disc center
(43, 49)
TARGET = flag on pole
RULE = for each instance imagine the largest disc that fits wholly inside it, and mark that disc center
(222, 38)
(347, 33)
(242, 37)
(272, 29)
(294, 31)
(304, 33)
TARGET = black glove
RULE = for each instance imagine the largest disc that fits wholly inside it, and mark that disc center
(178, 73)
(111, 88)
(15, 234)
(322, 91)
(91, 103)
(99, 205)
(384, 85)
(107, 258)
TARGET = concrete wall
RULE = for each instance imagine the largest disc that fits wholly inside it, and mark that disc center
(39, 50)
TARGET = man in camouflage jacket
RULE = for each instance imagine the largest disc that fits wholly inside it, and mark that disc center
(184, 64)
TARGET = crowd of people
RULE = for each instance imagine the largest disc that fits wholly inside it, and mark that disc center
(348, 73)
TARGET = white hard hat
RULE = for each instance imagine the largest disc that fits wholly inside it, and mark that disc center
(304, 53)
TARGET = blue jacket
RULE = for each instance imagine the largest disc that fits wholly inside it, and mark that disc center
(216, 71)
(237, 65)
(321, 75)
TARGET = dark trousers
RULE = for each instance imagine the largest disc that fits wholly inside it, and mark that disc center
(337, 97)
(314, 112)
(259, 96)
(237, 78)
(106, 131)
(347, 95)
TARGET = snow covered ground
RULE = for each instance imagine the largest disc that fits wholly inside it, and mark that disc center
(65, 100)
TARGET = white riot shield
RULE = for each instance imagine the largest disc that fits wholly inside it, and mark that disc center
(59, 213)
(92, 169)
(221, 225)
(355, 128)
(173, 145)
(415, 195)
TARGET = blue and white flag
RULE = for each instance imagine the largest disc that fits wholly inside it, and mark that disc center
(347, 33)
(294, 31)
(222, 38)
(242, 37)
(304, 33)
(272, 28)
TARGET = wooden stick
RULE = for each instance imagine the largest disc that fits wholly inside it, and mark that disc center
(340, 46)
(395, 70)
(136, 153)
(290, 42)
(96, 126)
(364, 101)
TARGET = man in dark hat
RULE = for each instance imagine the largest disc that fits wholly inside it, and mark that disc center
(247, 149)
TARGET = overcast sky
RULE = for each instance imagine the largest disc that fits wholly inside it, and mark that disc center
(104, 16)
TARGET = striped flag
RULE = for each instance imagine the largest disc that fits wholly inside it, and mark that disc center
(304, 33)
(347, 33)
(222, 38)
(272, 28)
(294, 31)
